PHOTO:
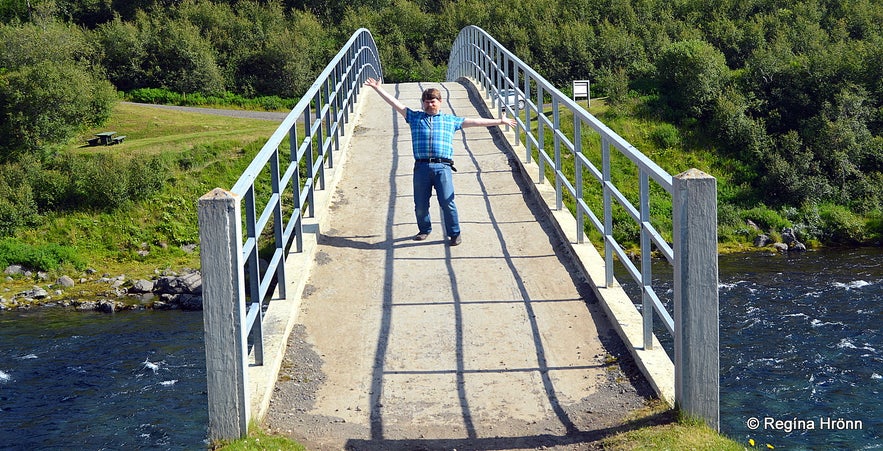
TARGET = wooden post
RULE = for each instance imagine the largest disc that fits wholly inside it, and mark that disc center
(223, 283)
(696, 310)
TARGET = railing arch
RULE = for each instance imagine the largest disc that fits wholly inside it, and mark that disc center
(274, 192)
(477, 56)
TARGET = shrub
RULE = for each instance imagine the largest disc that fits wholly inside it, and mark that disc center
(146, 178)
(17, 205)
(101, 182)
(766, 218)
(166, 97)
(691, 73)
(874, 226)
(122, 53)
(666, 136)
(728, 215)
(47, 257)
(839, 225)
(155, 95)
(178, 57)
(271, 103)
(48, 93)
(179, 222)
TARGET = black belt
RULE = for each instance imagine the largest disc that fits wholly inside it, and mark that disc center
(447, 161)
(436, 160)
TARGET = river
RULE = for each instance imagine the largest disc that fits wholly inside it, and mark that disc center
(801, 354)
(93, 381)
(802, 349)
(801, 336)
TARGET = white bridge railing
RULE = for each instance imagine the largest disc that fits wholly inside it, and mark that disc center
(260, 219)
(268, 202)
(693, 253)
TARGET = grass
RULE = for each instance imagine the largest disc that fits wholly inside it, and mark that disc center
(658, 427)
(258, 440)
(657, 140)
(655, 427)
(152, 131)
(200, 152)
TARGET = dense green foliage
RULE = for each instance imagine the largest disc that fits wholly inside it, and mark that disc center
(788, 93)
(49, 89)
(46, 257)
(228, 99)
(30, 187)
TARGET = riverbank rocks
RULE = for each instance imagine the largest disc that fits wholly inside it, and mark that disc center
(14, 270)
(34, 293)
(762, 240)
(189, 283)
(789, 241)
(64, 281)
(169, 291)
(141, 286)
(174, 291)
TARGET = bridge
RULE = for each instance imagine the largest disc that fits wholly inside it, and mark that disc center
(309, 267)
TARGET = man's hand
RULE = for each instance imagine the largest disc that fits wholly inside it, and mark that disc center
(392, 101)
(507, 120)
(372, 83)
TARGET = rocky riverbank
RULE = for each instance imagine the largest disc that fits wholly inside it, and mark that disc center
(167, 290)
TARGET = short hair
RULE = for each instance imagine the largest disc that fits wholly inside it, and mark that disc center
(431, 93)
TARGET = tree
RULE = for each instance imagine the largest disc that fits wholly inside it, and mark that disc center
(691, 74)
(178, 57)
(286, 61)
(123, 54)
(49, 91)
(842, 143)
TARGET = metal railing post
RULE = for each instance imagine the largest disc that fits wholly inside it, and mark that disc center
(223, 314)
(541, 142)
(696, 309)
(556, 146)
(528, 157)
(296, 186)
(578, 176)
(646, 274)
(608, 212)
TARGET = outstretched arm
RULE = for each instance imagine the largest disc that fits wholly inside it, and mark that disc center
(488, 122)
(392, 101)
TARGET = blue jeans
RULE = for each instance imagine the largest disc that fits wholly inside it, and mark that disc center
(426, 177)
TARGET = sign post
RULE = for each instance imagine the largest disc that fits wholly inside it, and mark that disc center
(582, 88)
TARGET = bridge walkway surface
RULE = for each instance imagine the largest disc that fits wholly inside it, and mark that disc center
(498, 343)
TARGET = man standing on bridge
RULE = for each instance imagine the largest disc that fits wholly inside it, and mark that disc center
(432, 138)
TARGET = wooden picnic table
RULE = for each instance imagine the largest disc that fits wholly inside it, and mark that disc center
(106, 138)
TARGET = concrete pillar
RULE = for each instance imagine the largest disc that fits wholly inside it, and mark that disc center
(223, 288)
(696, 310)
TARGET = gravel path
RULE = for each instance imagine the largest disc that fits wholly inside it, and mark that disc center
(265, 115)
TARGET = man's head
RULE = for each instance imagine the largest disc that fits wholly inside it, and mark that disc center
(431, 101)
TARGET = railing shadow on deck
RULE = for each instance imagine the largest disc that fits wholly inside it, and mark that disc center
(522, 442)
(550, 147)
(390, 243)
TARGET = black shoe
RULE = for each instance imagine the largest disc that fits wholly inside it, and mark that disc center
(456, 240)
(421, 236)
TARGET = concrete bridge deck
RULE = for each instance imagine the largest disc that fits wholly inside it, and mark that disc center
(498, 343)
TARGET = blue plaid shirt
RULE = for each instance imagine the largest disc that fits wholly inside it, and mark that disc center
(433, 136)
